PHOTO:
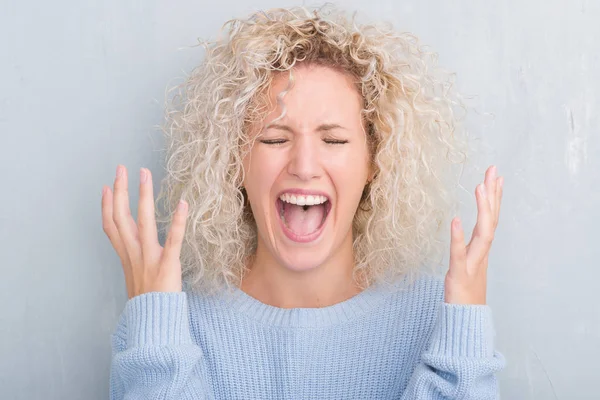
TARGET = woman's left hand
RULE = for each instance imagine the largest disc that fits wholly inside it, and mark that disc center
(466, 279)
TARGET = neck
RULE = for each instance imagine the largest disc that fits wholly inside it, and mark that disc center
(324, 285)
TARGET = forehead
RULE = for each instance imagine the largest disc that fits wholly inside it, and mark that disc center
(313, 95)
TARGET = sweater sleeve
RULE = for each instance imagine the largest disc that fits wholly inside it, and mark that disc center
(153, 355)
(460, 360)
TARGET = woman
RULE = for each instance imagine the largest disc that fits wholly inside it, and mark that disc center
(312, 157)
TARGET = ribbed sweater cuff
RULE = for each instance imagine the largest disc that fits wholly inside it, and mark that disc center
(157, 318)
(463, 330)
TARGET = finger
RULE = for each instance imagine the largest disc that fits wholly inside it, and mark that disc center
(175, 236)
(458, 251)
(483, 233)
(108, 224)
(499, 192)
(111, 231)
(490, 186)
(146, 219)
(124, 221)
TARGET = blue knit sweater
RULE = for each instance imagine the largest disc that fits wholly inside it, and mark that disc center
(387, 342)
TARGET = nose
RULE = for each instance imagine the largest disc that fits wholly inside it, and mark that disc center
(304, 161)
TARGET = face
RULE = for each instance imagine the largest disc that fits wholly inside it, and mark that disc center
(316, 154)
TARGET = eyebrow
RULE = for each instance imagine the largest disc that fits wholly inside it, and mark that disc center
(320, 128)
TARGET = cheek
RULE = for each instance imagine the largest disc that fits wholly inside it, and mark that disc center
(261, 172)
(349, 188)
(252, 168)
(349, 176)
(350, 166)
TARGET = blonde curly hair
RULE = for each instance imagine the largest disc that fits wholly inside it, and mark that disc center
(413, 132)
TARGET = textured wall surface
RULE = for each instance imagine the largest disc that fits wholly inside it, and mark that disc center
(82, 86)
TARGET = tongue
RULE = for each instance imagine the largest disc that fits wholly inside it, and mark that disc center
(303, 222)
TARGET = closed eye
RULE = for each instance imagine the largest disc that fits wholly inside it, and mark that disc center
(331, 141)
(274, 141)
(282, 141)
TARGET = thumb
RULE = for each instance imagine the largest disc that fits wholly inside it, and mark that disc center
(458, 250)
(172, 250)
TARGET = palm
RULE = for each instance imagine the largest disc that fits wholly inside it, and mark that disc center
(466, 279)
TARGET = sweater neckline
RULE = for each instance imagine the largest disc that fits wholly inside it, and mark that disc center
(304, 317)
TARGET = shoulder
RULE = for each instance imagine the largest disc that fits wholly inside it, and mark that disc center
(416, 300)
(423, 288)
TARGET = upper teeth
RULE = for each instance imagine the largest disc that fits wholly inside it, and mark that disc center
(301, 200)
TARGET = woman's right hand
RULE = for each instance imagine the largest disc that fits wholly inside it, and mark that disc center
(148, 267)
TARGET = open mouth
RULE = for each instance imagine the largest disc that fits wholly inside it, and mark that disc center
(303, 217)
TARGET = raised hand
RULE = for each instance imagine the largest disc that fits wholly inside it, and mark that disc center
(148, 267)
(466, 280)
